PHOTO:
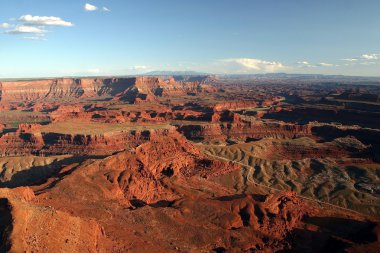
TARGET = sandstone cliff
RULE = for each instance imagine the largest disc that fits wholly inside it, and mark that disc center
(133, 90)
(31, 140)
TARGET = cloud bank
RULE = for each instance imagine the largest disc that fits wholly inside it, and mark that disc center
(371, 56)
(34, 25)
(44, 21)
(246, 65)
(26, 29)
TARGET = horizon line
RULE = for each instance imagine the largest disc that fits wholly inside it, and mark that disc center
(172, 73)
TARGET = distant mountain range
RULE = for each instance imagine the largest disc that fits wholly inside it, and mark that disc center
(264, 76)
(301, 76)
(194, 74)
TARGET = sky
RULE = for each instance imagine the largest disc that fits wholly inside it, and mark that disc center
(46, 38)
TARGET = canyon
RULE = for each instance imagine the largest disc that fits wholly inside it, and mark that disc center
(189, 164)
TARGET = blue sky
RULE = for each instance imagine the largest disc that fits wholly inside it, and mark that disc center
(116, 37)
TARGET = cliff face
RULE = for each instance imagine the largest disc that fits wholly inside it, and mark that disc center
(61, 88)
(29, 140)
(243, 131)
(130, 89)
(343, 116)
(32, 90)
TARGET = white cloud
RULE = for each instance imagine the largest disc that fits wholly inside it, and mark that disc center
(35, 25)
(371, 56)
(367, 63)
(5, 25)
(26, 29)
(305, 64)
(139, 67)
(94, 71)
(90, 7)
(350, 59)
(251, 64)
(44, 21)
(323, 64)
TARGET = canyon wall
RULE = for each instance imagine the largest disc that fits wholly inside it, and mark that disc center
(129, 89)
(245, 131)
(29, 140)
